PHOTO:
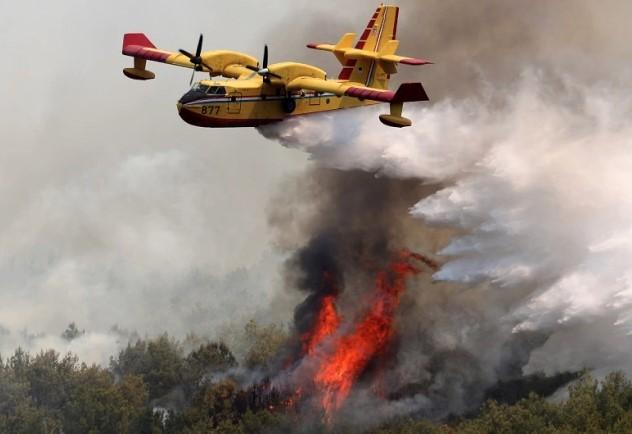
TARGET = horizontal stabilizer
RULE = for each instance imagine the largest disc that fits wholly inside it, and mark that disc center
(387, 57)
(345, 43)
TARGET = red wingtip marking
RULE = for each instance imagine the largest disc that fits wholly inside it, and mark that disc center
(145, 53)
(312, 45)
(416, 62)
(409, 92)
(375, 95)
(138, 39)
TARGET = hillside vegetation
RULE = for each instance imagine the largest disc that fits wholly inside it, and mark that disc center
(154, 386)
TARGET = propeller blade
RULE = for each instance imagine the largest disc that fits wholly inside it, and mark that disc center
(196, 60)
(252, 68)
(265, 57)
(272, 74)
(199, 46)
(186, 53)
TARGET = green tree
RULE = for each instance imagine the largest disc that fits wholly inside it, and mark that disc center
(208, 359)
(581, 411)
(98, 405)
(264, 342)
(159, 363)
(48, 376)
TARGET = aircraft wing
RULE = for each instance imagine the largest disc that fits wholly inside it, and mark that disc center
(407, 92)
(227, 63)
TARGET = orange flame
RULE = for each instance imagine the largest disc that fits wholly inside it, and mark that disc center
(336, 367)
(326, 324)
(353, 352)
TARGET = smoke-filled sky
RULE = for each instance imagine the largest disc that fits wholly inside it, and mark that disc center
(113, 211)
(528, 137)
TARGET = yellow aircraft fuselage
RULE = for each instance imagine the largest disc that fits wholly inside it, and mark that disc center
(250, 103)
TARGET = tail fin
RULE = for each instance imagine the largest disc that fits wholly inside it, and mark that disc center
(377, 37)
(371, 62)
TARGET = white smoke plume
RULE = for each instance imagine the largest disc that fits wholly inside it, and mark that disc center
(535, 173)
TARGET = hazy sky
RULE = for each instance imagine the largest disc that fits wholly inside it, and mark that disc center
(112, 210)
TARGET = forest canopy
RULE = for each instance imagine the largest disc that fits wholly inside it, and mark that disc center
(155, 386)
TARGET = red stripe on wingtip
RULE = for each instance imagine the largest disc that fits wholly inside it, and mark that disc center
(145, 53)
(312, 45)
(374, 95)
(416, 62)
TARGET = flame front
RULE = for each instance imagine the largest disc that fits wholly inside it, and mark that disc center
(327, 322)
(341, 358)
(353, 352)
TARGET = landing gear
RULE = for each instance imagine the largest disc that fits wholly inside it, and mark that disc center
(288, 105)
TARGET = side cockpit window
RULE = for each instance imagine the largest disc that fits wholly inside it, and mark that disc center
(216, 90)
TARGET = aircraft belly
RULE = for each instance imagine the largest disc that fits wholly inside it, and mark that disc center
(224, 114)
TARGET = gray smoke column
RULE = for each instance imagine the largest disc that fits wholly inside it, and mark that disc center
(527, 142)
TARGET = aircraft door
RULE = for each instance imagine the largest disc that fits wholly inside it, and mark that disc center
(314, 99)
(234, 105)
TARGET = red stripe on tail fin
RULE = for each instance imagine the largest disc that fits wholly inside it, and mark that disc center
(347, 70)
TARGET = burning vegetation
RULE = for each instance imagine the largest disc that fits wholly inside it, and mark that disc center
(337, 352)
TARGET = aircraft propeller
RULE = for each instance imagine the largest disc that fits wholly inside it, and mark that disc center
(196, 59)
(264, 71)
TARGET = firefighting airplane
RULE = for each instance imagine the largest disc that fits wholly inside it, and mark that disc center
(255, 94)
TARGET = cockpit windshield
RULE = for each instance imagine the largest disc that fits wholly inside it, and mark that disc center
(199, 87)
(209, 90)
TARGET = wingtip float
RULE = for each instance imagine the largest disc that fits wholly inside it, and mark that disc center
(254, 93)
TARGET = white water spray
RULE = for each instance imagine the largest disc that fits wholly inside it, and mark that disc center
(538, 178)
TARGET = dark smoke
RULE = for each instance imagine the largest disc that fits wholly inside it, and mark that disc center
(354, 224)
(341, 227)
(450, 351)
